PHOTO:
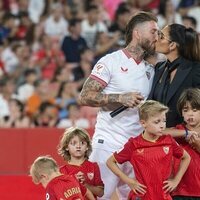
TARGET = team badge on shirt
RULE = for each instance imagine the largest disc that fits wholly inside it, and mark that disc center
(90, 175)
(99, 68)
(166, 150)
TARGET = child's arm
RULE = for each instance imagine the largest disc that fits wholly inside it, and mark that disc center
(89, 195)
(171, 184)
(178, 132)
(132, 183)
(96, 190)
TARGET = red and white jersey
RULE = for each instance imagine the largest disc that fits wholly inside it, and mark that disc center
(190, 182)
(120, 73)
(65, 187)
(152, 163)
(90, 170)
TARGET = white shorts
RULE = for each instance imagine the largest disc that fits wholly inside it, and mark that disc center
(111, 181)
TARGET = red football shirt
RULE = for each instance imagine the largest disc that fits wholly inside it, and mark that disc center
(152, 163)
(190, 183)
(90, 170)
(65, 187)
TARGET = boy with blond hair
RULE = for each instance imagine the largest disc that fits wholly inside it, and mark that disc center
(151, 154)
(45, 170)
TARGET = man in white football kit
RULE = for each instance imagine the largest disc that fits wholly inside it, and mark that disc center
(120, 78)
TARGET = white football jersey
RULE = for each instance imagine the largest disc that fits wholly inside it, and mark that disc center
(120, 73)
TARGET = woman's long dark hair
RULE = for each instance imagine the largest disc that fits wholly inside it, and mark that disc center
(187, 40)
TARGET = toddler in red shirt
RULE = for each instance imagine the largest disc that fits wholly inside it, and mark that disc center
(188, 106)
(75, 147)
(44, 170)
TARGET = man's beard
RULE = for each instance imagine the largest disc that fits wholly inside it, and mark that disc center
(148, 47)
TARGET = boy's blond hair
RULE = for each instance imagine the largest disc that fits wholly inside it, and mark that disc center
(151, 108)
(43, 165)
(66, 138)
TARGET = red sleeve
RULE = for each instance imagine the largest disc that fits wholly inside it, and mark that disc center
(177, 149)
(97, 179)
(125, 154)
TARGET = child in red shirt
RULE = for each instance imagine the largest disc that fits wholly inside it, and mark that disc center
(188, 106)
(151, 154)
(75, 148)
(44, 170)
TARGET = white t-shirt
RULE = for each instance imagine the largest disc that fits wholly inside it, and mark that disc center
(119, 73)
(57, 29)
(89, 32)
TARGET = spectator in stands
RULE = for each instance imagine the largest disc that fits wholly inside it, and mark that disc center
(7, 89)
(75, 147)
(41, 94)
(194, 11)
(74, 43)
(91, 26)
(62, 74)
(25, 27)
(55, 25)
(25, 90)
(48, 57)
(122, 16)
(167, 14)
(74, 118)
(46, 116)
(8, 29)
(189, 22)
(45, 170)
(107, 43)
(83, 69)
(67, 94)
(17, 117)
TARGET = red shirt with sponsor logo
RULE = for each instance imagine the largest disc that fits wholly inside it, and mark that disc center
(190, 183)
(152, 163)
(90, 170)
(65, 187)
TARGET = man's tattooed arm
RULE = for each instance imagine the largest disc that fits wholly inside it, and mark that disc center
(91, 95)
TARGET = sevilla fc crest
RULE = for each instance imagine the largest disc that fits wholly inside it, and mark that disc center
(90, 175)
(166, 150)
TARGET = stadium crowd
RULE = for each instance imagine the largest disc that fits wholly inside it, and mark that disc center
(48, 49)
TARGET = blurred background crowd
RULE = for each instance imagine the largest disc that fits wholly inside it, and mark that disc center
(48, 49)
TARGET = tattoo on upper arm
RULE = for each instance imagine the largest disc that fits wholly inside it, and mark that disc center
(92, 85)
(91, 93)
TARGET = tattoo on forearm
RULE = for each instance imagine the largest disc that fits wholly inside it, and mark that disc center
(92, 95)
(113, 98)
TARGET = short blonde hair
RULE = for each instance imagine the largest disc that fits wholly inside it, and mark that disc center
(151, 108)
(66, 138)
(43, 165)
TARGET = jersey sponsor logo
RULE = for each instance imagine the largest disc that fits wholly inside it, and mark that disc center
(47, 196)
(166, 150)
(99, 68)
(90, 175)
(124, 70)
(140, 151)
